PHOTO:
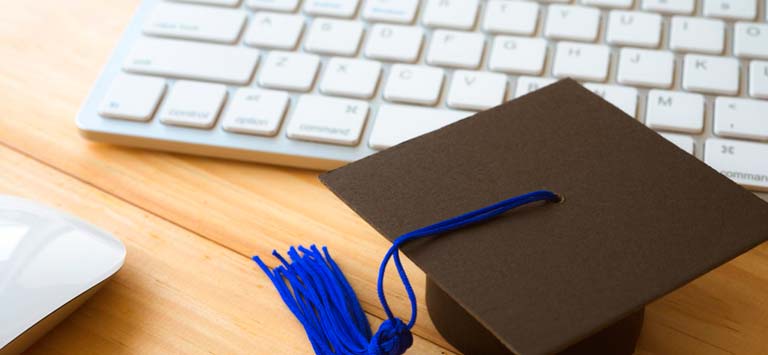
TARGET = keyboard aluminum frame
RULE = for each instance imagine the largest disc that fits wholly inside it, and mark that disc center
(281, 150)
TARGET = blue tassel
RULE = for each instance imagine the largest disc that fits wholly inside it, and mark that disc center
(316, 291)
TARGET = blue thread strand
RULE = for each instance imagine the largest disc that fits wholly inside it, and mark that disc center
(327, 307)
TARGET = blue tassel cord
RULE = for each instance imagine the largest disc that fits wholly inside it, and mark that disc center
(314, 288)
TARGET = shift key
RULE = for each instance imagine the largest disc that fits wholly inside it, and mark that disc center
(743, 162)
(192, 60)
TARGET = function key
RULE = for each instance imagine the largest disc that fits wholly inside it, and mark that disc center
(132, 97)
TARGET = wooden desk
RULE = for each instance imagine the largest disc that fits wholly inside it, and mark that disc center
(191, 224)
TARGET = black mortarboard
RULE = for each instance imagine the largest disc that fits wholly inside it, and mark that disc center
(640, 219)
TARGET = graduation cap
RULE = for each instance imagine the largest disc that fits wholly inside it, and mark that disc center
(640, 218)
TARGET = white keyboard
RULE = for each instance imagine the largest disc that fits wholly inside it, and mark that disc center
(318, 83)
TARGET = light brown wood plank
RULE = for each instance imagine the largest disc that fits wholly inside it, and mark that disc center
(177, 293)
(247, 207)
(252, 208)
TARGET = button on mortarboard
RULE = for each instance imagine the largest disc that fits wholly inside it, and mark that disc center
(641, 219)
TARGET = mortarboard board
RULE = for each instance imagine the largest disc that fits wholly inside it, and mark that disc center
(640, 219)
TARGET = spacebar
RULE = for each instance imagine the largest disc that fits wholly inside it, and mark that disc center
(190, 60)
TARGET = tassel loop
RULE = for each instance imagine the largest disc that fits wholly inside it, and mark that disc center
(316, 291)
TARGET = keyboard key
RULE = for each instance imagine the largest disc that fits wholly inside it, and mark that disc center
(289, 71)
(581, 61)
(678, 7)
(746, 163)
(731, 9)
(395, 124)
(193, 104)
(750, 40)
(646, 67)
(511, 17)
(528, 84)
(518, 55)
(195, 22)
(683, 142)
(394, 43)
(456, 49)
(272, 30)
(351, 77)
(397, 11)
(619, 4)
(189, 60)
(454, 14)
(709, 74)
(741, 118)
(634, 29)
(335, 37)
(691, 34)
(623, 97)
(414, 84)
(572, 22)
(231, 3)
(255, 111)
(334, 8)
(758, 79)
(275, 5)
(476, 90)
(132, 97)
(675, 111)
(328, 120)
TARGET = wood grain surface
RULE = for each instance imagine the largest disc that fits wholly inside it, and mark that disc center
(192, 223)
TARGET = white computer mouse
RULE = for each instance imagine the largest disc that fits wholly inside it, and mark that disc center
(50, 263)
